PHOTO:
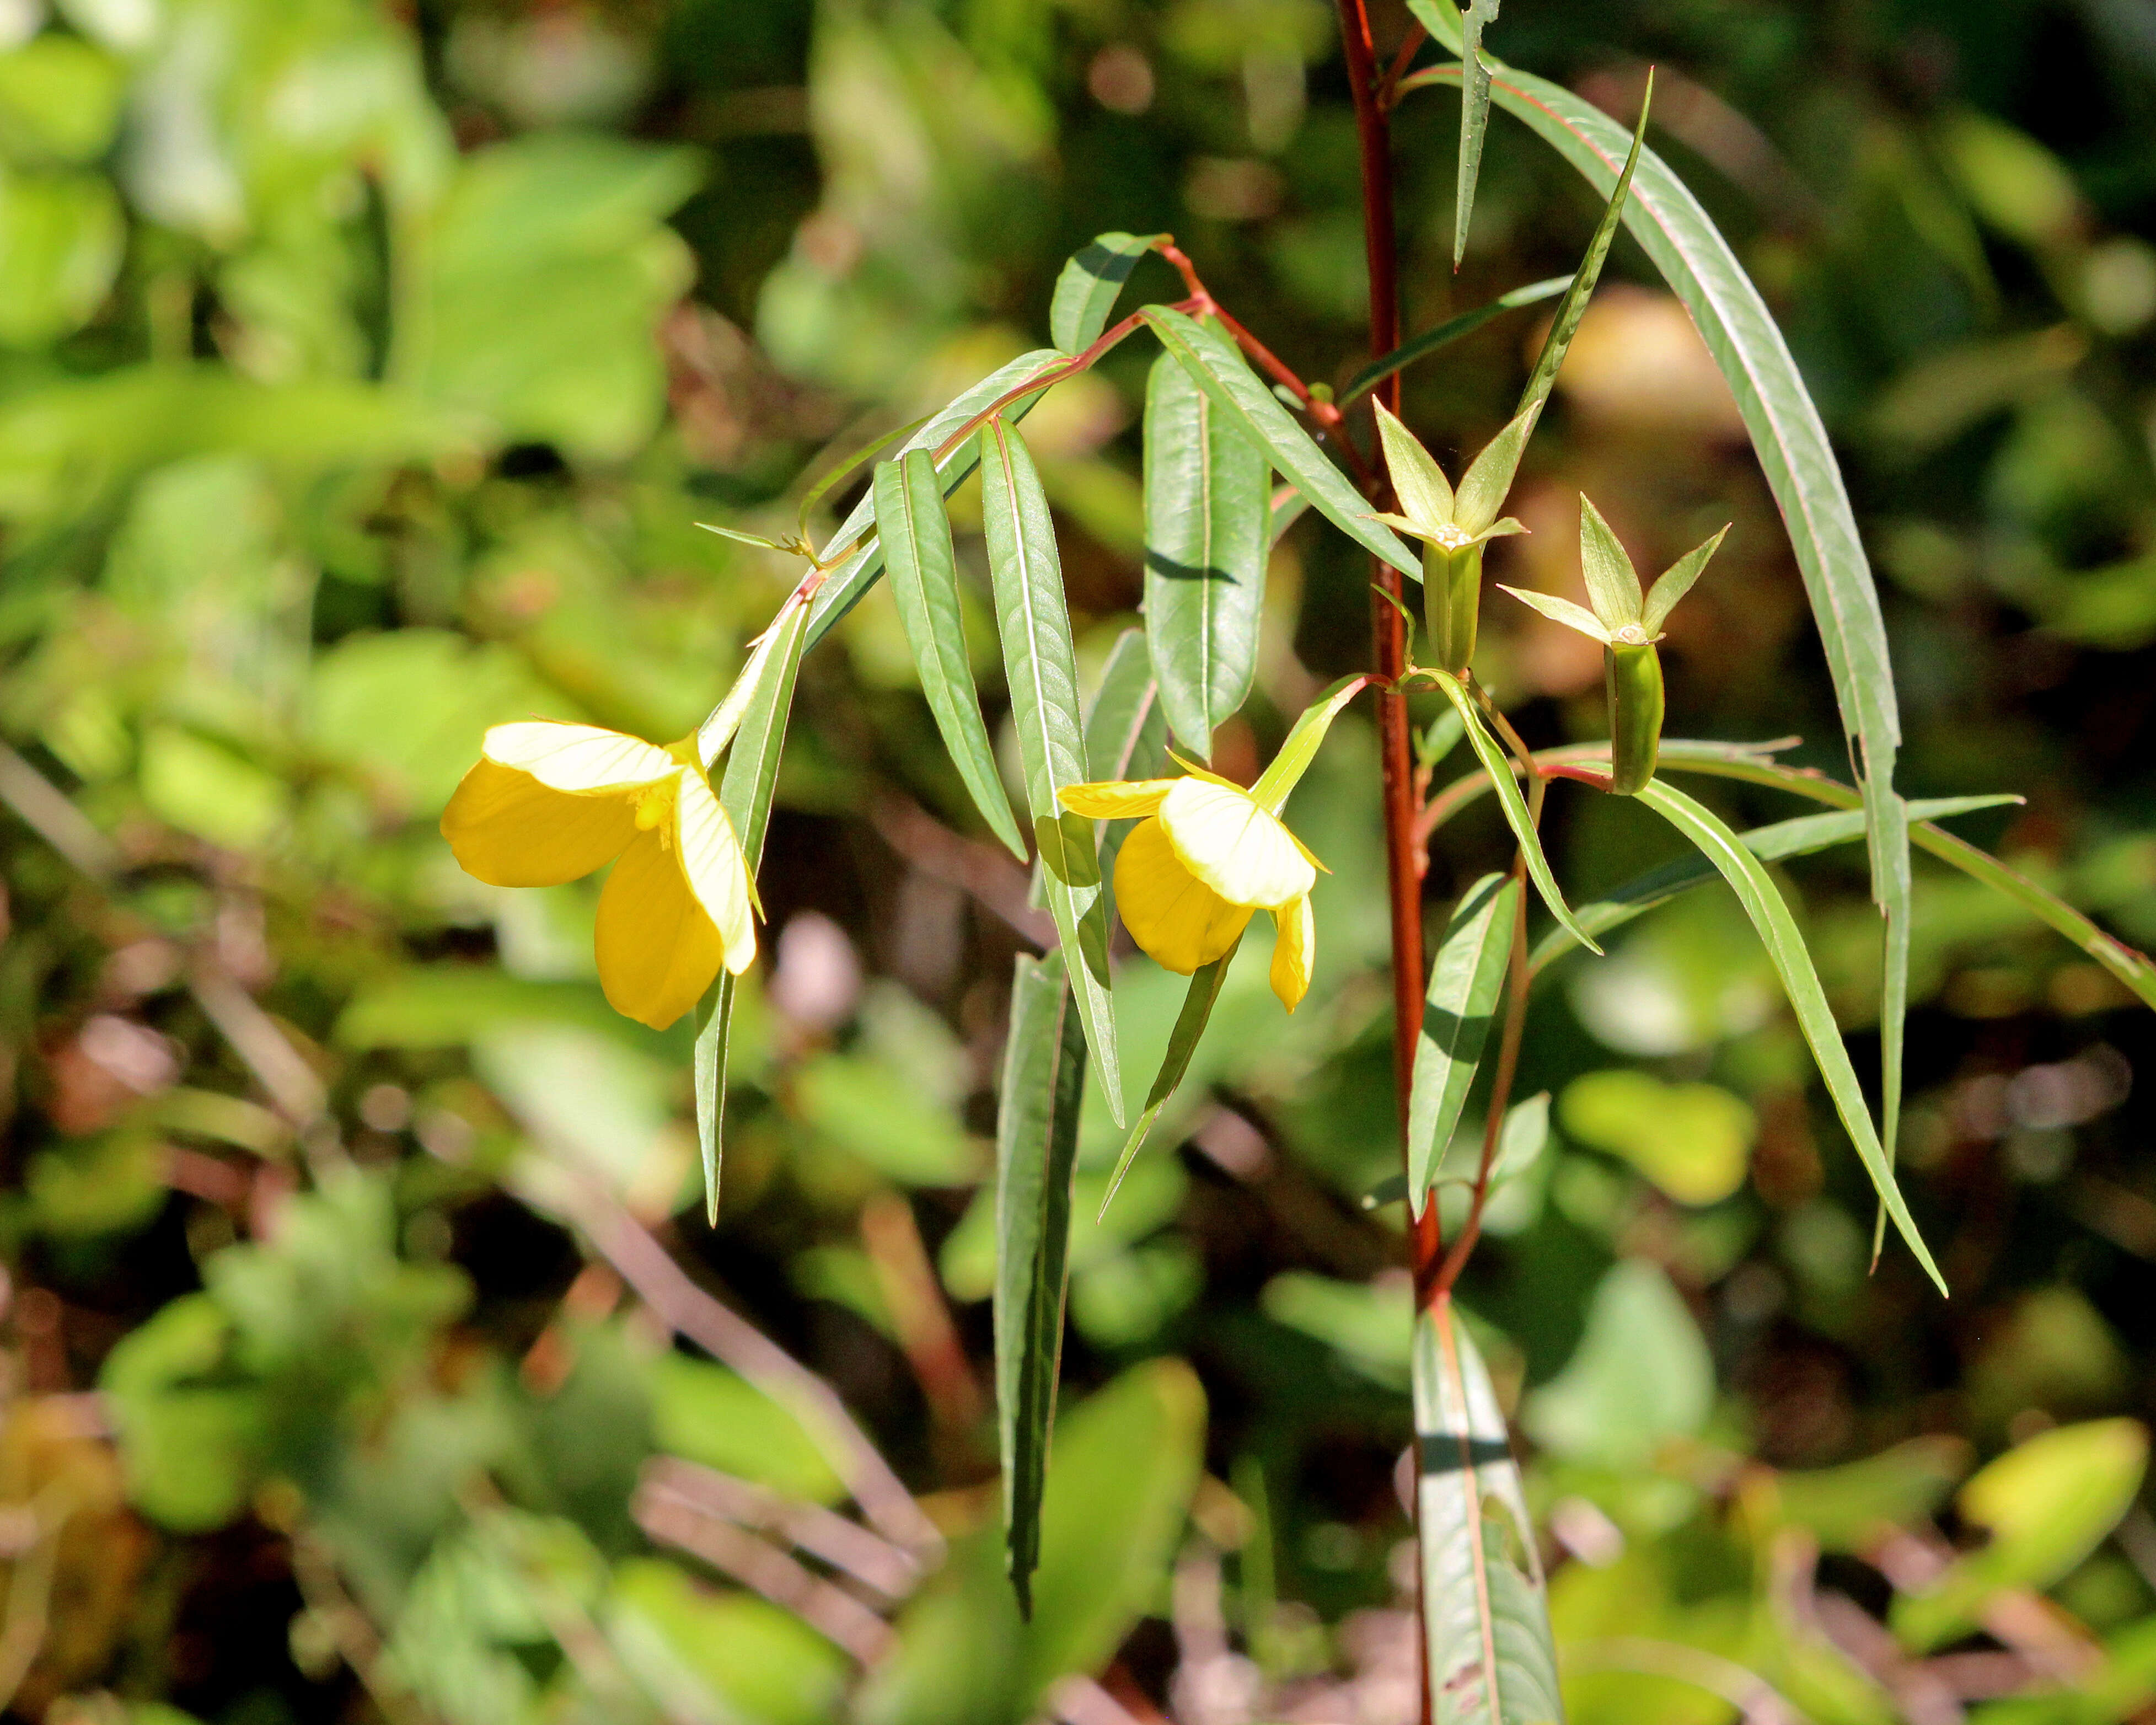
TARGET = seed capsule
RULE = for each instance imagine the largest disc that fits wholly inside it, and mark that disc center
(1452, 598)
(1632, 676)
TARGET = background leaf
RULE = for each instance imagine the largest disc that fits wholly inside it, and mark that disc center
(1085, 291)
(1465, 981)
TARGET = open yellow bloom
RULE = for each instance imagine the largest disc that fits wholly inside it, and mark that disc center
(1205, 858)
(548, 802)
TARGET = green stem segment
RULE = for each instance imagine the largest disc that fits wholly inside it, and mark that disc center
(1632, 675)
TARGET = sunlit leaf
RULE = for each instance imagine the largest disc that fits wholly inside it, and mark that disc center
(1444, 335)
(1464, 982)
(1085, 291)
(1474, 117)
(1182, 1042)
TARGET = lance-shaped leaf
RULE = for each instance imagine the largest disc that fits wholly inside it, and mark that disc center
(1491, 1659)
(1444, 335)
(846, 463)
(1085, 291)
(1474, 118)
(1042, 671)
(745, 793)
(1044, 1079)
(1791, 443)
(1800, 837)
(1208, 511)
(1125, 737)
(1464, 982)
(1499, 770)
(916, 534)
(1211, 358)
(1198, 1003)
(1763, 902)
(852, 567)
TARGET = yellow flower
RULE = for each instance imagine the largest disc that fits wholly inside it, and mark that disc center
(1205, 857)
(548, 802)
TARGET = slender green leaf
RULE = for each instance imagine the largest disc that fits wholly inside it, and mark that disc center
(851, 566)
(1799, 837)
(1445, 733)
(1042, 671)
(1474, 117)
(1299, 748)
(1441, 18)
(1289, 506)
(1792, 446)
(916, 534)
(1212, 359)
(1490, 1657)
(846, 463)
(1125, 737)
(1763, 902)
(1085, 291)
(1500, 772)
(1209, 517)
(1444, 335)
(1464, 982)
(760, 540)
(1182, 1042)
(1044, 1077)
(1573, 307)
(745, 792)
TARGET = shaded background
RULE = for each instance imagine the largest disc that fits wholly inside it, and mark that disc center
(364, 370)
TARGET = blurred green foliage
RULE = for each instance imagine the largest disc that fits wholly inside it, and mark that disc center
(365, 370)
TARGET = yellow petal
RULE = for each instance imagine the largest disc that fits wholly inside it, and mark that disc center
(1294, 949)
(578, 758)
(1116, 800)
(657, 951)
(508, 829)
(1234, 846)
(711, 860)
(1177, 920)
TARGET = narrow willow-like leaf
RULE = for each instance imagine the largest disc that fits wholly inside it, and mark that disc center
(1085, 291)
(1209, 517)
(1444, 335)
(1212, 359)
(1490, 1657)
(1474, 118)
(1125, 737)
(1464, 982)
(1182, 1042)
(916, 533)
(851, 566)
(1289, 507)
(1763, 902)
(1791, 443)
(847, 463)
(1299, 748)
(1499, 769)
(1044, 1080)
(1800, 837)
(745, 793)
(1042, 670)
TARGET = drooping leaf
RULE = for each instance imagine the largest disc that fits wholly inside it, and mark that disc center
(1299, 748)
(1492, 1658)
(1800, 837)
(1042, 670)
(1499, 772)
(1182, 1042)
(1208, 532)
(1125, 736)
(847, 463)
(1464, 982)
(1085, 291)
(1791, 443)
(1212, 359)
(916, 533)
(1763, 902)
(1444, 335)
(745, 793)
(1474, 117)
(1043, 1075)
(851, 566)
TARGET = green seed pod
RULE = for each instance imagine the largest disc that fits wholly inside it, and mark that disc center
(1632, 675)
(1452, 599)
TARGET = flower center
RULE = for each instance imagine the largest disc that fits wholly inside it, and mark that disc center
(654, 808)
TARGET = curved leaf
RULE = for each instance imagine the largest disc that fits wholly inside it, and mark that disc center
(1182, 1042)
(1085, 291)
(1474, 117)
(1491, 1659)
(1465, 981)
(1041, 668)
(1125, 737)
(916, 534)
(1209, 517)
(1763, 902)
